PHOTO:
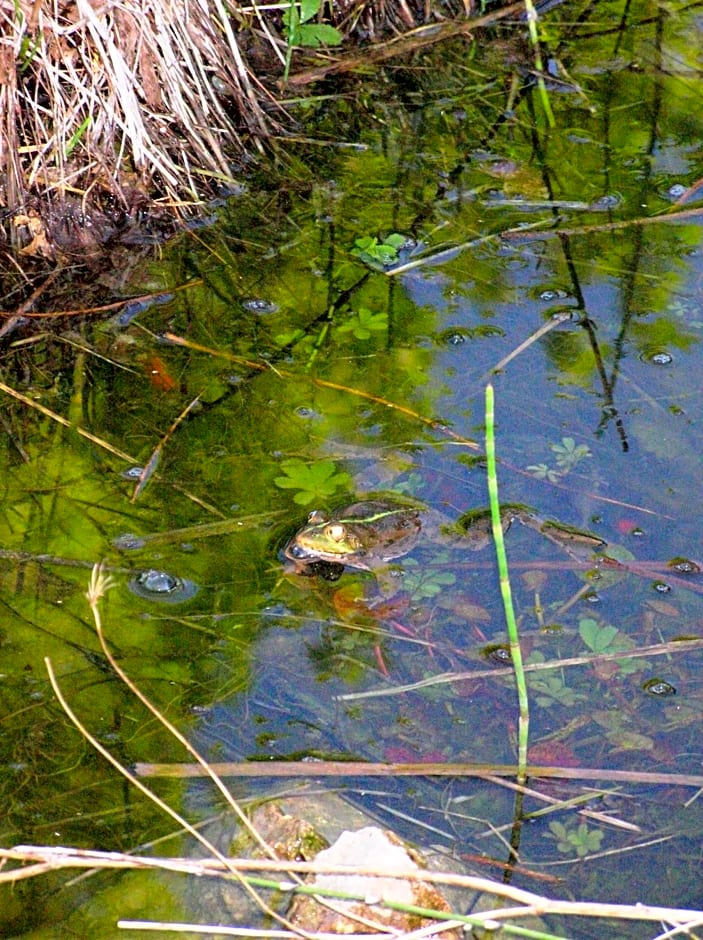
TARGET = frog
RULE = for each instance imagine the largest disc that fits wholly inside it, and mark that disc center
(369, 534)
(365, 536)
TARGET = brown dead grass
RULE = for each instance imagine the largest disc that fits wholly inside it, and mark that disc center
(111, 103)
(110, 109)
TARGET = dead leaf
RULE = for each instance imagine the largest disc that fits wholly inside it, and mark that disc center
(39, 245)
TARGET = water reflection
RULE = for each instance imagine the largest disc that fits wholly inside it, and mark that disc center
(312, 355)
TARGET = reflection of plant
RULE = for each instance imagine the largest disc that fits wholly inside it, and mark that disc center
(423, 581)
(598, 637)
(552, 689)
(363, 323)
(602, 638)
(313, 481)
(378, 254)
(299, 32)
(685, 311)
(576, 840)
(568, 454)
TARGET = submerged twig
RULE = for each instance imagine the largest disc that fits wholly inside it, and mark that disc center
(658, 649)
(151, 465)
(354, 768)
(323, 383)
(47, 412)
(541, 331)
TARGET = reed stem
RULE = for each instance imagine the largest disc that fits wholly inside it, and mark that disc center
(506, 593)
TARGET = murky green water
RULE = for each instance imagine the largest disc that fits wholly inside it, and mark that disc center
(321, 376)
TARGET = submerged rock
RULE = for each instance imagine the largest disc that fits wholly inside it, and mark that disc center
(381, 850)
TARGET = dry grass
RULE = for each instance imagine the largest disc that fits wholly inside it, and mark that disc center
(107, 104)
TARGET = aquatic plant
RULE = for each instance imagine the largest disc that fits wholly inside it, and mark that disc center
(312, 480)
(364, 323)
(379, 254)
(299, 31)
(505, 590)
(568, 455)
(424, 582)
(576, 840)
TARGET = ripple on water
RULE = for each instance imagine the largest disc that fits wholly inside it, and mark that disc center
(658, 358)
(132, 473)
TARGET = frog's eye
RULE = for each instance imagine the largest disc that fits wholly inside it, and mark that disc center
(335, 532)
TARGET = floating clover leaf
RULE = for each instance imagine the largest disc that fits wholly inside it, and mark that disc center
(551, 689)
(364, 323)
(314, 481)
(542, 472)
(602, 638)
(568, 455)
(379, 254)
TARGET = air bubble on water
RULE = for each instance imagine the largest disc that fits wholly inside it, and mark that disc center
(128, 542)
(155, 585)
(659, 687)
(259, 305)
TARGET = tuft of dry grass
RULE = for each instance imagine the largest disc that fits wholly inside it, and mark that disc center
(105, 103)
(112, 109)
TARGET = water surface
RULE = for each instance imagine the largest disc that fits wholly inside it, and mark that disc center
(330, 360)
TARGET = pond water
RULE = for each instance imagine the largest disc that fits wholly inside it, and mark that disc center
(330, 336)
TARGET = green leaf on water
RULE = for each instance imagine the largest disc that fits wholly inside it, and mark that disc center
(576, 840)
(542, 472)
(314, 481)
(379, 254)
(426, 581)
(569, 453)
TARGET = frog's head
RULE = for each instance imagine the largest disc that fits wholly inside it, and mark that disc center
(326, 539)
(365, 535)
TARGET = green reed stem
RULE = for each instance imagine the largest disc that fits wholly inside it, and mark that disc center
(506, 593)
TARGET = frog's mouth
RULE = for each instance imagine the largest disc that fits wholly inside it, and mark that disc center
(300, 553)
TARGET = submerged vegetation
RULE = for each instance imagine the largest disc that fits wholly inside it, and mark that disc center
(327, 338)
